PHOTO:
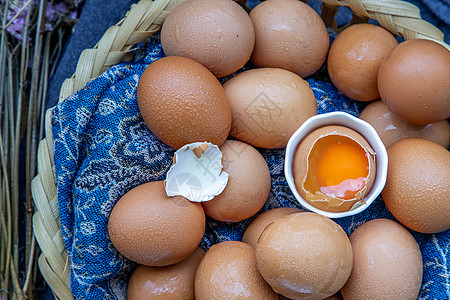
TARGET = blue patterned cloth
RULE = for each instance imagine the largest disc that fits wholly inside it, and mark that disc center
(103, 149)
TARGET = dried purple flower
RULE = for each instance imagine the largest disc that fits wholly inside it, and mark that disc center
(61, 7)
(62, 11)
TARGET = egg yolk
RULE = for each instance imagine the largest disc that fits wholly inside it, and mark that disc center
(340, 165)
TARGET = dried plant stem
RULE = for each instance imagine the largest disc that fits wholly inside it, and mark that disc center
(16, 139)
(43, 85)
(9, 259)
(4, 235)
(33, 102)
(5, 185)
(30, 268)
(3, 230)
(3, 48)
(3, 241)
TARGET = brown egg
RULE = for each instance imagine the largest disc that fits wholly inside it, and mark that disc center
(172, 282)
(248, 184)
(334, 168)
(387, 263)
(182, 102)
(289, 35)
(354, 59)
(304, 255)
(228, 271)
(268, 106)
(257, 226)
(218, 34)
(391, 128)
(414, 81)
(418, 185)
(152, 229)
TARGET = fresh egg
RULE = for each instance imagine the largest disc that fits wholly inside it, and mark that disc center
(414, 81)
(152, 229)
(417, 190)
(354, 59)
(172, 282)
(218, 34)
(304, 256)
(257, 226)
(334, 168)
(228, 271)
(387, 263)
(268, 105)
(289, 35)
(248, 184)
(182, 102)
(391, 128)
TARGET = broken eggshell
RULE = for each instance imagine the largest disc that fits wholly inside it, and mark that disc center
(358, 125)
(196, 172)
(334, 168)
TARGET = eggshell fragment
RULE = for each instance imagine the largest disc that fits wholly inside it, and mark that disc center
(196, 172)
(304, 256)
(391, 128)
(248, 184)
(418, 185)
(289, 35)
(268, 105)
(355, 57)
(305, 169)
(257, 226)
(387, 263)
(218, 34)
(172, 282)
(152, 229)
(228, 271)
(414, 81)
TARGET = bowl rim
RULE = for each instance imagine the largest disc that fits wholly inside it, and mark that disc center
(350, 121)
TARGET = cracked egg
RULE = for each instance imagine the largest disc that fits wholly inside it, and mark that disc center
(334, 168)
(196, 173)
(336, 164)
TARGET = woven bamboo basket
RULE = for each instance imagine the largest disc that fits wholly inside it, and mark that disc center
(144, 19)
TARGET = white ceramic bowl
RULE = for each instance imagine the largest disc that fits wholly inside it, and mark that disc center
(343, 119)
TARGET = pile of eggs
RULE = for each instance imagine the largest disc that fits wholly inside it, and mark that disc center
(287, 253)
